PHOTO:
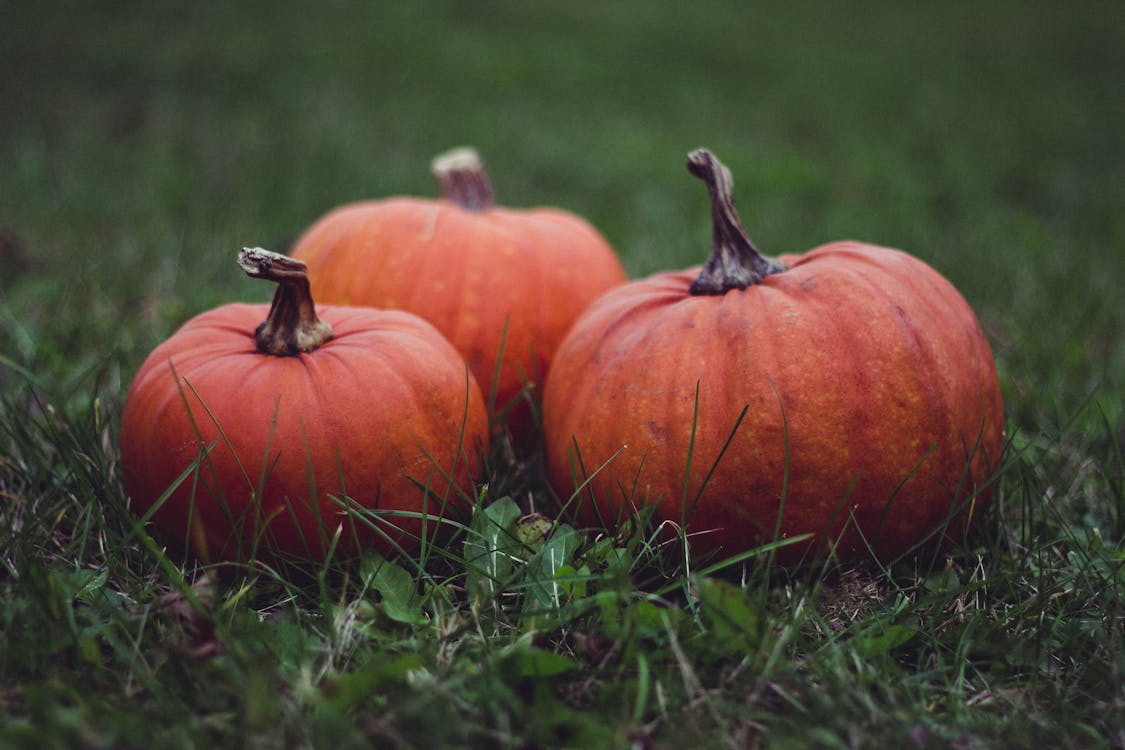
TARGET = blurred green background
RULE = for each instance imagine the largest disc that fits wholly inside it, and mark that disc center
(141, 144)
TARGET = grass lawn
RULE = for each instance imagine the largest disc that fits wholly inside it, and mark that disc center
(143, 144)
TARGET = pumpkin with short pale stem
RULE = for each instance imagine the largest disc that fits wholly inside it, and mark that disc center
(291, 432)
(499, 283)
(846, 397)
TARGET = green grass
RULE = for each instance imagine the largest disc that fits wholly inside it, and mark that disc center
(142, 144)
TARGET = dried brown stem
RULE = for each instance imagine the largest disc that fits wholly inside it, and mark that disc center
(734, 263)
(292, 326)
(461, 176)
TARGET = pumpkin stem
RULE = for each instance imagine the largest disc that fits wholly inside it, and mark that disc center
(292, 327)
(734, 263)
(463, 181)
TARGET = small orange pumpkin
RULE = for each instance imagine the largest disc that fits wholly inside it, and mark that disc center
(847, 393)
(240, 436)
(493, 280)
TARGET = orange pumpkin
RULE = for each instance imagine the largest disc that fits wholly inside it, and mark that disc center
(847, 393)
(496, 281)
(240, 436)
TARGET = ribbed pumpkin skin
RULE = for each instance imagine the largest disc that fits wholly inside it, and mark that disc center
(373, 410)
(870, 389)
(467, 272)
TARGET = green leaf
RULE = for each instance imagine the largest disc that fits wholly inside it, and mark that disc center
(398, 591)
(88, 648)
(543, 588)
(287, 640)
(91, 585)
(529, 661)
(880, 645)
(343, 690)
(573, 581)
(490, 547)
(535, 662)
(730, 614)
(651, 620)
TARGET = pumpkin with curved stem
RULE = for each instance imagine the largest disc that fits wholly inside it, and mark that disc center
(847, 393)
(307, 433)
(498, 282)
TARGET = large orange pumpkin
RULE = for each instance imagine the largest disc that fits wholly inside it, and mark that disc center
(241, 436)
(494, 280)
(847, 393)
